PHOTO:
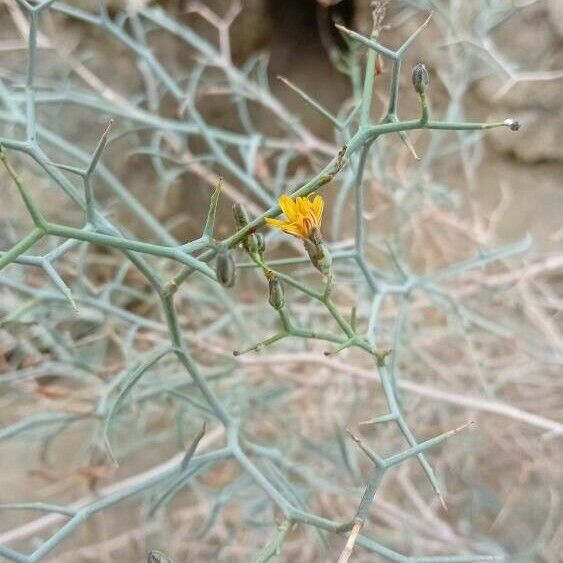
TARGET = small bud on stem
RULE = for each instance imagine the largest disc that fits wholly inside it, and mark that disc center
(225, 268)
(318, 252)
(260, 243)
(241, 215)
(277, 297)
(512, 124)
(420, 78)
(254, 243)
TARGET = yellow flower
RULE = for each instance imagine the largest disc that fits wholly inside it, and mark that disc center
(303, 215)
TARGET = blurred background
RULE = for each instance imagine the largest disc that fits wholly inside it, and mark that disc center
(488, 60)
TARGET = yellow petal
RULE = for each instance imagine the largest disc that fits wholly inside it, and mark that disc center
(318, 206)
(293, 229)
(302, 204)
(288, 206)
(277, 223)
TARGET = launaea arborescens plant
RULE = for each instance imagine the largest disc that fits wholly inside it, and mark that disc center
(138, 325)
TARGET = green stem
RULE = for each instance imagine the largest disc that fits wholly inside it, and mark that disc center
(21, 247)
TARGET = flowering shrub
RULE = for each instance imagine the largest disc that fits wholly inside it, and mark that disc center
(133, 330)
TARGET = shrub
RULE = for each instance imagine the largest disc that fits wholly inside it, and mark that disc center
(348, 269)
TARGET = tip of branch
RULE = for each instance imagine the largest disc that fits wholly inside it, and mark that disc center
(343, 28)
(107, 130)
(356, 439)
(512, 124)
(442, 502)
(428, 18)
(469, 424)
(72, 303)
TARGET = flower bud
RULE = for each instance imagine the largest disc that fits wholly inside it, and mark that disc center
(254, 243)
(315, 236)
(420, 78)
(318, 252)
(260, 243)
(225, 268)
(276, 298)
(241, 215)
(512, 124)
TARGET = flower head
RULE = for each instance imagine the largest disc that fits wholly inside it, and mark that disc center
(303, 215)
